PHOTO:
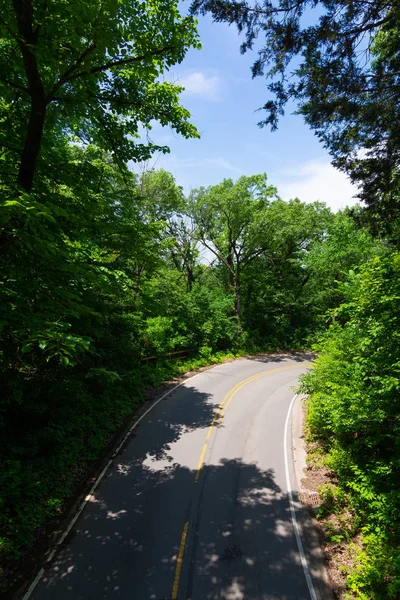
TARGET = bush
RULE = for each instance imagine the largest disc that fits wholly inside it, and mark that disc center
(354, 409)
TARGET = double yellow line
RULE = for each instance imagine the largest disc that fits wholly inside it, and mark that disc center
(223, 407)
(217, 419)
(179, 562)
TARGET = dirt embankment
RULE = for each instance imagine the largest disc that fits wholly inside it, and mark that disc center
(318, 492)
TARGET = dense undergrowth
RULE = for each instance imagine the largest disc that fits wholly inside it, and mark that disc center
(77, 420)
(354, 412)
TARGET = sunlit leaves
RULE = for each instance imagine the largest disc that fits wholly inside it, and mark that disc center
(354, 409)
(100, 64)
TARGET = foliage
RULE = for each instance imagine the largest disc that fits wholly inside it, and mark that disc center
(276, 286)
(329, 261)
(230, 222)
(89, 70)
(354, 409)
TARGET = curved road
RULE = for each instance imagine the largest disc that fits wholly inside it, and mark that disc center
(197, 505)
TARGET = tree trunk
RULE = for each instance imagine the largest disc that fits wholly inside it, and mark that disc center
(189, 277)
(237, 291)
(33, 140)
(27, 42)
(231, 268)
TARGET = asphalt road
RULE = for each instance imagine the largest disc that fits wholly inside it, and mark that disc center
(196, 506)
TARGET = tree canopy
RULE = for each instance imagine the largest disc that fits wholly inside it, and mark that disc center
(231, 220)
(339, 62)
(90, 70)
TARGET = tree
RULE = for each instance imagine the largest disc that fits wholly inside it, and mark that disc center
(162, 197)
(277, 304)
(164, 201)
(344, 248)
(184, 249)
(231, 223)
(339, 61)
(90, 70)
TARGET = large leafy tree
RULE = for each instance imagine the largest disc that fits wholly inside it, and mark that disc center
(91, 69)
(231, 220)
(344, 248)
(276, 298)
(339, 61)
(163, 201)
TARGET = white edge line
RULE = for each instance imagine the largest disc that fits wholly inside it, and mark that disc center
(96, 483)
(300, 547)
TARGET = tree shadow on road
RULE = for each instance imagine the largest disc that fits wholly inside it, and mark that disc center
(299, 357)
(240, 542)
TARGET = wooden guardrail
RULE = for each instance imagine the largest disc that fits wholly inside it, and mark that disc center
(177, 354)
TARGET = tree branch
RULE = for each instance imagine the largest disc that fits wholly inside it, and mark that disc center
(274, 11)
(40, 23)
(66, 77)
(10, 31)
(115, 100)
(119, 63)
(69, 74)
(365, 27)
(118, 162)
(11, 148)
(217, 254)
(21, 88)
(251, 257)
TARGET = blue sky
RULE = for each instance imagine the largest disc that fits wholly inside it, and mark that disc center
(222, 99)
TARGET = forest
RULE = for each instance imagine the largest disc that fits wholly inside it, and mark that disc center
(106, 271)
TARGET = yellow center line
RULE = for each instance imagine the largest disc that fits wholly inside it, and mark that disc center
(246, 381)
(179, 562)
(200, 462)
(242, 384)
(222, 407)
(221, 410)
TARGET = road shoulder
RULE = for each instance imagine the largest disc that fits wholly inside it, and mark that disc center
(306, 504)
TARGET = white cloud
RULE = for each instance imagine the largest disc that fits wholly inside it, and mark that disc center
(317, 180)
(219, 162)
(171, 161)
(198, 84)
